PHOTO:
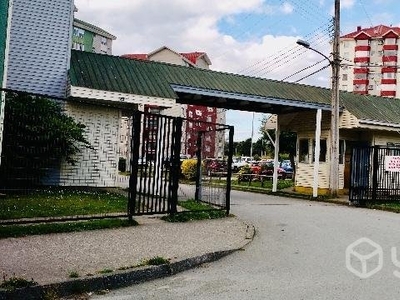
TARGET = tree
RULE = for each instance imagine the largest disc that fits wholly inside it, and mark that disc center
(37, 137)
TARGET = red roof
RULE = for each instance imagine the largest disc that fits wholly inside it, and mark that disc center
(373, 32)
(136, 56)
(192, 56)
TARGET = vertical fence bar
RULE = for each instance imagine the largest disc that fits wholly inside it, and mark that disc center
(197, 195)
(135, 142)
(177, 136)
(375, 166)
(229, 175)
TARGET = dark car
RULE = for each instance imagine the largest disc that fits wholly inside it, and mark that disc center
(287, 166)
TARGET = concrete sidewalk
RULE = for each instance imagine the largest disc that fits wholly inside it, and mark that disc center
(50, 259)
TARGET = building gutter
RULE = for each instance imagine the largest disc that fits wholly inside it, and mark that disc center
(250, 98)
(379, 123)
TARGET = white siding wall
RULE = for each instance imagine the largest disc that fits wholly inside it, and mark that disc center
(40, 42)
(168, 56)
(96, 167)
(381, 139)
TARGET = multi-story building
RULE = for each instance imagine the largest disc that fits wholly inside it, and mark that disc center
(213, 144)
(370, 61)
(90, 38)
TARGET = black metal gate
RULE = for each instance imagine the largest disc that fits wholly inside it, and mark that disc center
(375, 175)
(155, 163)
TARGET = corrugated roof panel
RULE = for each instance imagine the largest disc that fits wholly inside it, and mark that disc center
(150, 78)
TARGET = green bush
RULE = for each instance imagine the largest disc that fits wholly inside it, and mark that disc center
(189, 167)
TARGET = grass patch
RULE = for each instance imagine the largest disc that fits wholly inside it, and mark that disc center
(73, 274)
(105, 271)
(195, 211)
(14, 282)
(157, 261)
(7, 231)
(267, 184)
(390, 206)
(60, 202)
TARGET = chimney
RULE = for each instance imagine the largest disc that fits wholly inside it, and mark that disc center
(358, 28)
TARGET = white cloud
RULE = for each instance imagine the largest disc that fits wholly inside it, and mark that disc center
(347, 3)
(287, 8)
(142, 26)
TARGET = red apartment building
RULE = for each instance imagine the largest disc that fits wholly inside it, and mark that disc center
(370, 61)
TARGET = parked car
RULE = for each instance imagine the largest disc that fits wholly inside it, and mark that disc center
(287, 166)
(238, 163)
(215, 166)
(267, 168)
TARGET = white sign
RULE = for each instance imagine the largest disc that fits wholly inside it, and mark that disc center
(392, 163)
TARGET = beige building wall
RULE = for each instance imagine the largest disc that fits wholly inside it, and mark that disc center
(97, 167)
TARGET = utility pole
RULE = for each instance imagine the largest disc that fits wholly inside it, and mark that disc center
(334, 167)
(252, 135)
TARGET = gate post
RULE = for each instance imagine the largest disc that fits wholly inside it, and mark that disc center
(176, 164)
(229, 175)
(135, 142)
(197, 194)
(375, 166)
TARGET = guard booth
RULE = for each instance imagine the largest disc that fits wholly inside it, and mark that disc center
(375, 175)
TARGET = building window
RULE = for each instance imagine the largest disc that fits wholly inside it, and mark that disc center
(390, 41)
(322, 150)
(344, 77)
(388, 75)
(303, 151)
(103, 41)
(341, 151)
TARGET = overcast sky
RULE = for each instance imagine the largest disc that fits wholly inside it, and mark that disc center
(251, 37)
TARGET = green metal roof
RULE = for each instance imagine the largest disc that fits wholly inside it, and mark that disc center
(111, 73)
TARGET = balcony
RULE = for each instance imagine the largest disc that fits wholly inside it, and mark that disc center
(360, 81)
(389, 58)
(390, 47)
(362, 48)
(361, 70)
(362, 59)
(389, 70)
(388, 81)
(388, 93)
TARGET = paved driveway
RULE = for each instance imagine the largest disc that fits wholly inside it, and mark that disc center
(299, 252)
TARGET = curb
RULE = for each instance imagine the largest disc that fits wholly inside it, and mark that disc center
(119, 279)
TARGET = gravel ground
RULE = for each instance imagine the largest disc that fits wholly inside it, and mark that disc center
(51, 258)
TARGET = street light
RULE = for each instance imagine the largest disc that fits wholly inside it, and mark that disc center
(308, 46)
(335, 64)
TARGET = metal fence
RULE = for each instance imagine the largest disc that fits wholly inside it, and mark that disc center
(75, 149)
(375, 175)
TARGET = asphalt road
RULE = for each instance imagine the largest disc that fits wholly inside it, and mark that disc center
(299, 252)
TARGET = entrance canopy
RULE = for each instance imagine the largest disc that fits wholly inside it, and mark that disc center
(109, 78)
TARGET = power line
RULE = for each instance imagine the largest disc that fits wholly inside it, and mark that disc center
(365, 11)
(313, 73)
(306, 68)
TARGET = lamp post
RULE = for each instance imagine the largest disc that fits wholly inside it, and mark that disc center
(335, 64)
